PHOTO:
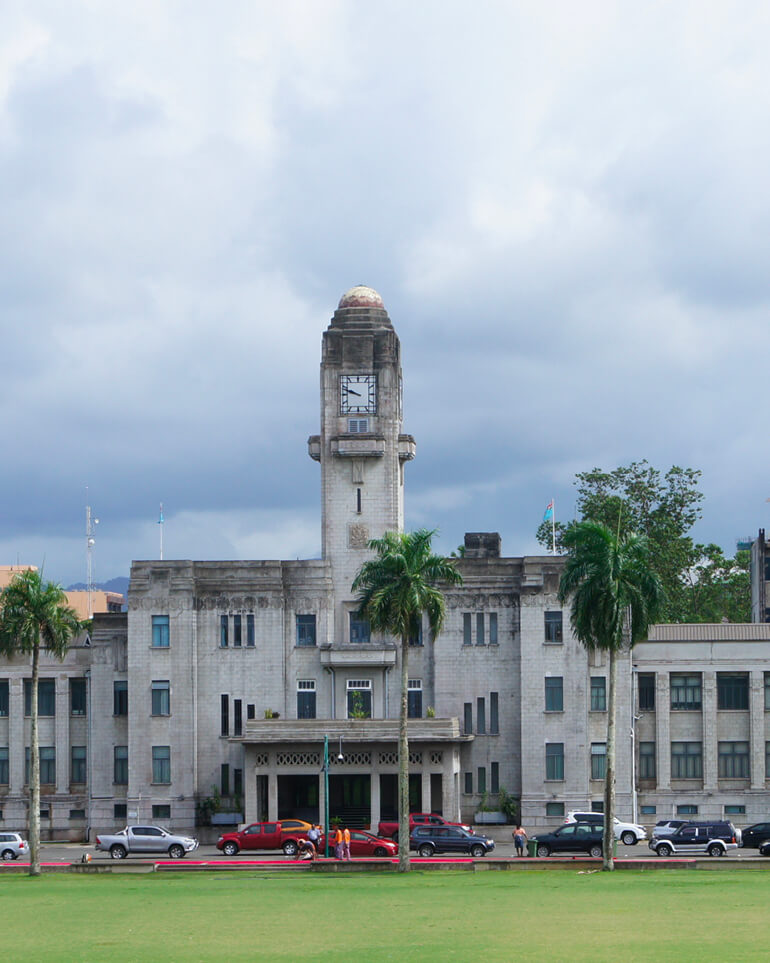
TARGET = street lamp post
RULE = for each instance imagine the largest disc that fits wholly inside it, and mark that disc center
(326, 796)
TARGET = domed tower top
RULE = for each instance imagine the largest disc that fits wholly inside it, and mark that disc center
(361, 307)
(361, 296)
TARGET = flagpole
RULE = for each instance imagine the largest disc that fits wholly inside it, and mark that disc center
(160, 523)
(553, 526)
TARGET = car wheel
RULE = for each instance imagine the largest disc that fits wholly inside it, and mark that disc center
(176, 851)
(543, 850)
(715, 850)
(477, 851)
(595, 851)
(379, 851)
(118, 852)
(8, 854)
(663, 850)
(230, 849)
(426, 850)
(290, 847)
(628, 839)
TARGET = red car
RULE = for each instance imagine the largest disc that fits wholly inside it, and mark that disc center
(363, 843)
(264, 836)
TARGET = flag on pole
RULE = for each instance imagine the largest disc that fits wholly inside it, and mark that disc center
(161, 519)
(548, 514)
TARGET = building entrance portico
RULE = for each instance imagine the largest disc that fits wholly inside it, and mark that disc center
(285, 760)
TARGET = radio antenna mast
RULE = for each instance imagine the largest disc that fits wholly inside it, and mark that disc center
(91, 524)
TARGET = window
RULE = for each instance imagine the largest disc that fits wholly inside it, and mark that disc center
(47, 765)
(358, 426)
(767, 693)
(120, 698)
(481, 716)
(685, 691)
(416, 638)
(224, 779)
(467, 629)
(735, 810)
(482, 779)
(251, 711)
(494, 777)
(224, 715)
(359, 629)
(468, 789)
(237, 631)
(467, 718)
(120, 811)
(686, 760)
(649, 810)
(78, 697)
(120, 766)
(554, 809)
(554, 694)
(161, 764)
(161, 811)
(553, 628)
(237, 717)
(237, 782)
(687, 809)
(597, 806)
(306, 630)
(3, 697)
(306, 699)
(646, 760)
(598, 693)
(78, 764)
(493, 628)
(554, 760)
(494, 715)
(359, 698)
(480, 628)
(160, 631)
(647, 691)
(77, 814)
(414, 699)
(46, 697)
(733, 760)
(4, 775)
(223, 632)
(598, 760)
(161, 697)
(486, 628)
(732, 690)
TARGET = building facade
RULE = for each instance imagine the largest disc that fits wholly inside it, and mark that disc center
(217, 690)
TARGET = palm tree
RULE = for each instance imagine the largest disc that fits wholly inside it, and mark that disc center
(614, 591)
(394, 589)
(34, 613)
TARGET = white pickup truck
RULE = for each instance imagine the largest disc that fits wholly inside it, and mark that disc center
(144, 840)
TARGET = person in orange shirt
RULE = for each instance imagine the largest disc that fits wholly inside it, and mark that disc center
(346, 843)
(338, 843)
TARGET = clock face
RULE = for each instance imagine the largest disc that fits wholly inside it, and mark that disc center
(358, 394)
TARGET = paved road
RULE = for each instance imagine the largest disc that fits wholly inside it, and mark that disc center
(73, 852)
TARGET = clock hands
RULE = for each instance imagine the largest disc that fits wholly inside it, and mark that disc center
(351, 392)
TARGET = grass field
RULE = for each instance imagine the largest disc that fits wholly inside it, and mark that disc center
(556, 915)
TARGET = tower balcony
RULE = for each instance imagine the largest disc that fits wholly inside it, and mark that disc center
(364, 655)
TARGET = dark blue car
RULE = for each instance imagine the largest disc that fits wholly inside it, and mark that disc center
(428, 840)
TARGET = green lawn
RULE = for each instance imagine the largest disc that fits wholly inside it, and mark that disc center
(556, 915)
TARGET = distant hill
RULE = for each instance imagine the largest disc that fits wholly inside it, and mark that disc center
(119, 584)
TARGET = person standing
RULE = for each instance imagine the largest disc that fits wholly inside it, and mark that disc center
(312, 835)
(519, 840)
(338, 843)
(346, 843)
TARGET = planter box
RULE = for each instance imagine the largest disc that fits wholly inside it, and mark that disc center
(226, 819)
(495, 818)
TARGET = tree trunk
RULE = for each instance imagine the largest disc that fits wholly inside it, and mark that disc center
(608, 840)
(34, 776)
(403, 763)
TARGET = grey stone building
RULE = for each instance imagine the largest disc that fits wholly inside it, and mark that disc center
(224, 678)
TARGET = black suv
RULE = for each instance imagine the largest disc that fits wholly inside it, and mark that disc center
(714, 838)
(571, 838)
(428, 840)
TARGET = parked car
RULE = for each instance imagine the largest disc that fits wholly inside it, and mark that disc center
(142, 840)
(628, 833)
(428, 840)
(13, 845)
(715, 838)
(367, 844)
(753, 836)
(571, 838)
(667, 827)
(278, 835)
(389, 829)
(764, 848)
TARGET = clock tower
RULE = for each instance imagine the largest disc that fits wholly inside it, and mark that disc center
(361, 447)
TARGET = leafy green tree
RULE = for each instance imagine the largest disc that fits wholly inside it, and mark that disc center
(395, 588)
(717, 587)
(615, 593)
(34, 613)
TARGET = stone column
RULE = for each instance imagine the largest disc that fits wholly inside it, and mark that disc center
(450, 771)
(425, 781)
(662, 730)
(272, 797)
(709, 730)
(16, 736)
(62, 728)
(249, 785)
(757, 728)
(374, 796)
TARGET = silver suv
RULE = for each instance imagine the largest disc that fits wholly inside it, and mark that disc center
(628, 833)
(13, 845)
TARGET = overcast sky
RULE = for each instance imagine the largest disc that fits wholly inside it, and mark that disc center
(564, 206)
